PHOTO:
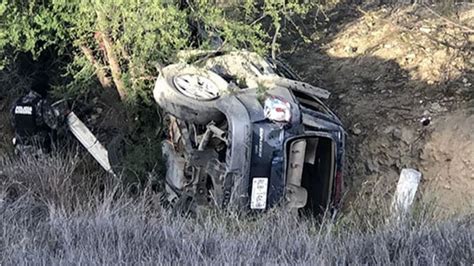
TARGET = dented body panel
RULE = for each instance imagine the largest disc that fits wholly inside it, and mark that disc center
(264, 140)
(259, 147)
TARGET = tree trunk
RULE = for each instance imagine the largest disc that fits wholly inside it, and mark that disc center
(100, 73)
(114, 65)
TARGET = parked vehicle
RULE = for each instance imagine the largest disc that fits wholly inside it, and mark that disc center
(244, 131)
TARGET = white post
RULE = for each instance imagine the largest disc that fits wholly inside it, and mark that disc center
(89, 141)
(406, 191)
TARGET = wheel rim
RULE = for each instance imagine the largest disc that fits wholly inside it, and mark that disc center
(196, 87)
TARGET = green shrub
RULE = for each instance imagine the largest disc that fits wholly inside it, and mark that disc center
(120, 42)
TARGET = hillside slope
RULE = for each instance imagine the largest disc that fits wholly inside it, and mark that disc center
(402, 81)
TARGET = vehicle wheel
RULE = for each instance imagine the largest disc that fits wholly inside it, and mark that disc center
(189, 93)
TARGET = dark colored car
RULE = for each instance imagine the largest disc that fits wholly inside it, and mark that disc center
(243, 131)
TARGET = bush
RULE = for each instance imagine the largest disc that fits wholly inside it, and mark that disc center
(108, 226)
(120, 42)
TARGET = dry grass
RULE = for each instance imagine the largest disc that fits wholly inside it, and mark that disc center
(58, 217)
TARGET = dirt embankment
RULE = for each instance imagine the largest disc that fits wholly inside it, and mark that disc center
(389, 70)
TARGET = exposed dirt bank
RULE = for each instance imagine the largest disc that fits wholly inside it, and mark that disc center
(388, 70)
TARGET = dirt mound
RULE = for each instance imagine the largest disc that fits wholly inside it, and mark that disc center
(448, 161)
(427, 47)
(401, 79)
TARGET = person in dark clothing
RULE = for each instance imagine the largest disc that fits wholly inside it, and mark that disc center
(35, 120)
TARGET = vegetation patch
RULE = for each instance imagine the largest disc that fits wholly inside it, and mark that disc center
(51, 215)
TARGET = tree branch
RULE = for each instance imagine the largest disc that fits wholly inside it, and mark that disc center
(99, 71)
(114, 65)
(134, 71)
(274, 41)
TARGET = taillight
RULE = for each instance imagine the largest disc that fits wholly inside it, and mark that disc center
(277, 109)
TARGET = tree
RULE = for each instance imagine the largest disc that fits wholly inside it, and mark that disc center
(120, 41)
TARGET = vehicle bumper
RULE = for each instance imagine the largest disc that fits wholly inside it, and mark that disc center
(236, 182)
(246, 160)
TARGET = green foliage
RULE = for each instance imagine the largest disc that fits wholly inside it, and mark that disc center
(143, 148)
(117, 43)
(279, 12)
(30, 27)
(142, 33)
(80, 76)
(235, 32)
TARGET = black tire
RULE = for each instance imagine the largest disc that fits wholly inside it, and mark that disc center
(182, 106)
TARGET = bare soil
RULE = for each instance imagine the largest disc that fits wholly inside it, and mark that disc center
(390, 69)
(448, 161)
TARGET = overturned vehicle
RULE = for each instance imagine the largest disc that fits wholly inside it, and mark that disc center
(244, 131)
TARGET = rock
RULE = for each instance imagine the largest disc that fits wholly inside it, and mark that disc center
(371, 166)
(341, 96)
(388, 130)
(448, 187)
(397, 134)
(407, 135)
(437, 108)
(462, 90)
(356, 130)
(94, 118)
(425, 29)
